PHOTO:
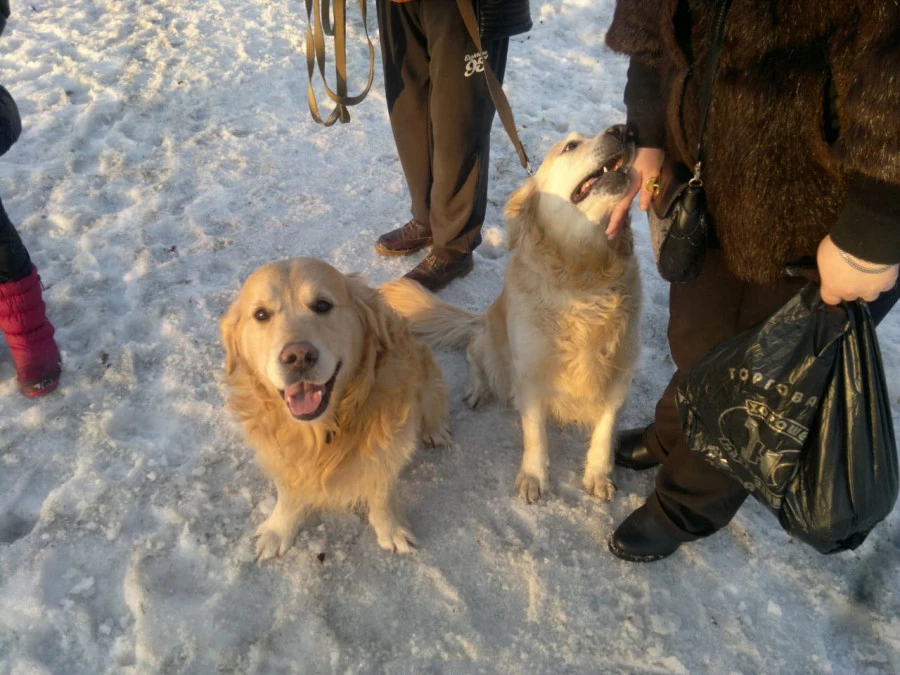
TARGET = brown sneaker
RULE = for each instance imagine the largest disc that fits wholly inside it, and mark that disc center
(434, 273)
(410, 238)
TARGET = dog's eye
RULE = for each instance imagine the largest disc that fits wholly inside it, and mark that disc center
(261, 315)
(321, 307)
(571, 145)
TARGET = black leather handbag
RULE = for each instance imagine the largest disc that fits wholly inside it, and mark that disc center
(679, 221)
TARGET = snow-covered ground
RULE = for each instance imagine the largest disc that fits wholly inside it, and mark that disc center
(167, 152)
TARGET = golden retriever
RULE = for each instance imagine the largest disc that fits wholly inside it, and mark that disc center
(332, 391)
(562, 338)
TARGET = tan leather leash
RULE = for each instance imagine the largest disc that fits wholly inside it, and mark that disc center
(318, 25)
(317, 28)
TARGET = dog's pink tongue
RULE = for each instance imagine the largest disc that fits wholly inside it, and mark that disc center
(303, 399)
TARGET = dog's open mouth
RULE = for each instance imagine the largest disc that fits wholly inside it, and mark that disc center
(307, 400)
(615, 163)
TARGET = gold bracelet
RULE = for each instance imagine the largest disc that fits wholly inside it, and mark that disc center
(865, 270)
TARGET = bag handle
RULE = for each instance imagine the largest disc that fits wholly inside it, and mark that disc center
(318, 25)
(494, 88)
(715, 48)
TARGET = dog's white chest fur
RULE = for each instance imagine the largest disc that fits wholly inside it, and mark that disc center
(572, 344)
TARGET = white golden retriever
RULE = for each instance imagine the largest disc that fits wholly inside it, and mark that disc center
(562, 337)
(332, 391)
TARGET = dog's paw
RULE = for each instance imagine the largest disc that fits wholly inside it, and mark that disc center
(441, 438)
(599, 485)
(272, 541)
(476, 393)
(397, 539)
(529, 487)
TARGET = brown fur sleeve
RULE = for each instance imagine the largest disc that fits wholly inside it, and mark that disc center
(635, 30)
(866, 71)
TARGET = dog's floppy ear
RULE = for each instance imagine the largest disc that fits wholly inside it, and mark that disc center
(229, 326)
(378, 318)
(520, 212)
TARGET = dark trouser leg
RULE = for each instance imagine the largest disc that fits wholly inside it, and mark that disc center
(441, 117)
(15, 263)
(407, 84)
(692, 499)
(884, 303)
(461, 114)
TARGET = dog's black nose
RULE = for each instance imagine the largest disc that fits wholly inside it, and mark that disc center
(620, 131)
(299, 354)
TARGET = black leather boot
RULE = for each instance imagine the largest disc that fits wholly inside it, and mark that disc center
(632, 452)
(641, 539)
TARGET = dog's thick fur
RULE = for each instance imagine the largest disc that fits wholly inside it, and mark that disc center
(562, 337)
(301, 335)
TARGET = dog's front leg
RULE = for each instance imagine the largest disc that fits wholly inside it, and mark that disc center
(532, 479)
(384, 515)
(601, 454)
(599, 465)
(276, 535)
(435, 411)
(478, 389)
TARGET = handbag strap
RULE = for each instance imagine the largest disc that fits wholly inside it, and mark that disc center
(496, 90)
(712, 68)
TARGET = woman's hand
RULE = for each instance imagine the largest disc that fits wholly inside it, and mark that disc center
(646, 165)
(841, 281)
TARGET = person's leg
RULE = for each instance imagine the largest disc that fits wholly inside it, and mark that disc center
(693, 499)
(15, 263)
(23, 320)
(407, 84)
(702, 314)
(461, 116)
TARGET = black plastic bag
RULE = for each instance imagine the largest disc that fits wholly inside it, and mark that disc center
(797, 410)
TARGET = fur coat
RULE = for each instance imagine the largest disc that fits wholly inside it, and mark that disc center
(807, 99)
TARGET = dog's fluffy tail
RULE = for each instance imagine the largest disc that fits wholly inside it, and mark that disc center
(438, 323)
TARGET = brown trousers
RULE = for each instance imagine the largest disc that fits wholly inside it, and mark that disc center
(441, 113)
(692, 499)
